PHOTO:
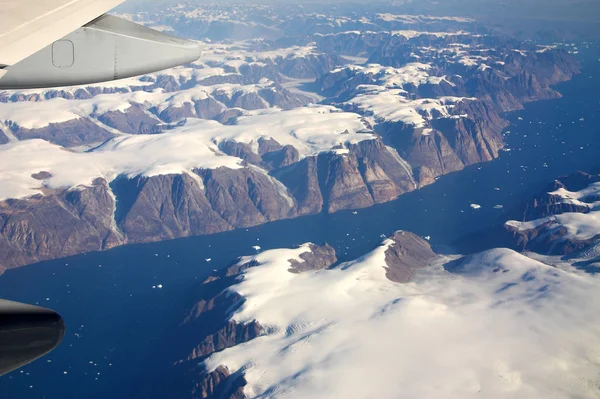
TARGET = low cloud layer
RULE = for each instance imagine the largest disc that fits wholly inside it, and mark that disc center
(498, 325)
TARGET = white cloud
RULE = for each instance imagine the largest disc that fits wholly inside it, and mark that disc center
(504, 326)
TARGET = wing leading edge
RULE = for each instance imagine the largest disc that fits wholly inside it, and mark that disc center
(71, 42)
(27, 26)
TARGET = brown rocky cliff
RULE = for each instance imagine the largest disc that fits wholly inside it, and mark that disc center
(208, 328)
(220, 384)
(453, 142)
(58, 224)
(407, 254)
(551, 237)
(367, 174)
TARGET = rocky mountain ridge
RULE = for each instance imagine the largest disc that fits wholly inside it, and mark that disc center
(561, 220)
(426, 104)
(145, 209)
(405, 254)
(207, 322)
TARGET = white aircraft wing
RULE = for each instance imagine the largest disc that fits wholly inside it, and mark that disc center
(49, 43)
(27, 26)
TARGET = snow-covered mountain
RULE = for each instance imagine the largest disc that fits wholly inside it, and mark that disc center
(563, 221)
(323, 117)
(496, 323)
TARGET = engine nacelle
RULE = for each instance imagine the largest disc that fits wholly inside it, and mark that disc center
(26, 333)
(107, 48)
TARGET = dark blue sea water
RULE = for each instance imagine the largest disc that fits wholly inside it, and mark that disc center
(114, 317)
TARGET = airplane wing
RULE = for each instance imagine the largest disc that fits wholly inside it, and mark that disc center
(48, 43)
(27, 26)
(65, 42)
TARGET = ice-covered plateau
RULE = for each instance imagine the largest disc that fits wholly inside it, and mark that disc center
(496, 323)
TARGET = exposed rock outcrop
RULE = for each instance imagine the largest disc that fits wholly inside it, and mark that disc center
(366, 174)
(408, 253)
(208, 327)
(134, 120)
(547, 234)
(219, 383)
(73, 133)
(545, 204)
(58, 224)
(318, 258)
(451, 144)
